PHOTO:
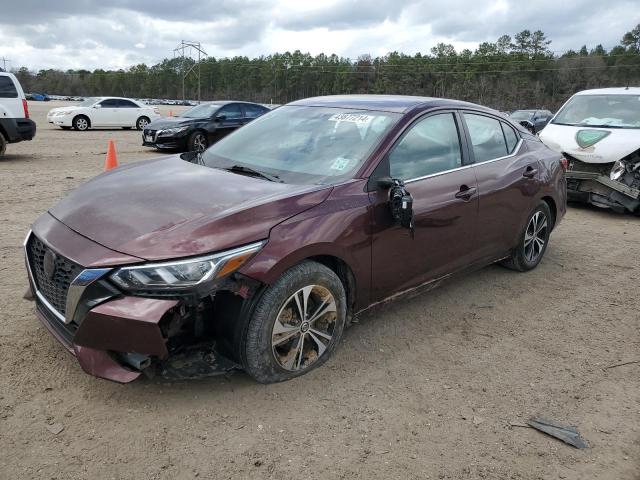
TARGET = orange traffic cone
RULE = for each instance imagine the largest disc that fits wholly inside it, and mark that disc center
(112, 160)
(170, 113)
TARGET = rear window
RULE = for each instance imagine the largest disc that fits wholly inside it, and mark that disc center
(7, 88)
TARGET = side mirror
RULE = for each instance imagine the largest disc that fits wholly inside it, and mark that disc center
(400, 201)
(97, 105)
(220, 118)
(529, 126)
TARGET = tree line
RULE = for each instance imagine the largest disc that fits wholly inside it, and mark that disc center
(512, 72)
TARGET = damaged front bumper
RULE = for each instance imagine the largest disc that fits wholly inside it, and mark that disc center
(591, 183)
(118, 336)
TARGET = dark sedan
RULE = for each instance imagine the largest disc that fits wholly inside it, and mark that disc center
(537, 119)
(258, 253)
(200, 126)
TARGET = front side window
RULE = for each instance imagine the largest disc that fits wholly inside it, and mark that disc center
(613, 111)
(231, 112)
(7, 88)
(487, 138)
(431, 146)
(304, 145)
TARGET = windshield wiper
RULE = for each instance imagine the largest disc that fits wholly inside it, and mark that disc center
(252, 172)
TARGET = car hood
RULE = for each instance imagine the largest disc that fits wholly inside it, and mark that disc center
(619, 143)
(168, 208)
(170, 122)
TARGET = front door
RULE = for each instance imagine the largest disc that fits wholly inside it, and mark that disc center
(430, 159)
(106, 115)
(228, 118)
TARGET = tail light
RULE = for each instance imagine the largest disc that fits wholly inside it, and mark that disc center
(565, 163)
(26, 108)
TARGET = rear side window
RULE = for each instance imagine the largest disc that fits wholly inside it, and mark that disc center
(510, 136)
(109, 103)
(254, 111)
(7, 88)
(486, 137)
(431, 146)
(127, 104)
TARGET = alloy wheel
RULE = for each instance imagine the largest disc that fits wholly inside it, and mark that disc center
(142, 123)
(82, 124)
(304, 328)
(535, 236)
(199, 143)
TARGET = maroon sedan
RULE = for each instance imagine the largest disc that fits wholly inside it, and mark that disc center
(258, 253)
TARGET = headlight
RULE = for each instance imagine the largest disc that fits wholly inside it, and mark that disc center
(618, 170)
(184, 274)
(172, 131)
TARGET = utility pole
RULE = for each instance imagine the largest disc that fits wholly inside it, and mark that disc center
(189, 47)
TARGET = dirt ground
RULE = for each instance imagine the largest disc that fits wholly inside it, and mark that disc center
(426, 388)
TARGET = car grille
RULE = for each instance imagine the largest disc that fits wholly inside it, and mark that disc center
(54, 289)
(150, 133)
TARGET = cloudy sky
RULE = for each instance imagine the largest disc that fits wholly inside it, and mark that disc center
(119, 33)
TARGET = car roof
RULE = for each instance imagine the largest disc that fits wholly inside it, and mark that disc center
(383, 103)
(227, 102)
(611, 91)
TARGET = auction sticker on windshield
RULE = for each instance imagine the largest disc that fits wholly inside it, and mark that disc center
(351, 117)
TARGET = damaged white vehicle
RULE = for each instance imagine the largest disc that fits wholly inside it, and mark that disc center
(598, 131)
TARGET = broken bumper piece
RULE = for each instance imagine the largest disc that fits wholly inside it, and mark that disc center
(585, 183)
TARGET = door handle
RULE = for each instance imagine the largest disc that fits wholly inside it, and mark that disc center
(466, 193)
(530, 172)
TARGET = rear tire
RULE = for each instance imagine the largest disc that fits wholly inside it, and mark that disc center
(142, 122)
(81, 123)
(3, 145)
(533, 241)
(281, 343)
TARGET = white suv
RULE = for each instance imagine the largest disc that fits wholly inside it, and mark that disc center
(104, 112)
(15, 124)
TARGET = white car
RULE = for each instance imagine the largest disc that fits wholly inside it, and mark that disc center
(598, 131)
(104, 112)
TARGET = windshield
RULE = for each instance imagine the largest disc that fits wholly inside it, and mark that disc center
(614, 111)
(206, 110)
(87, 102)
(304, 144)
(522, 115)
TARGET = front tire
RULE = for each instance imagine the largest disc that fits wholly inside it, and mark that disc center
(81, 123)
(533, 241)
(296, 325)
(197, 142)
(3, 145)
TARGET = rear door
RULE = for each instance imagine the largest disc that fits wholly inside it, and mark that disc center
(252, 112)
(508, 180)
(128, 113)
(431, 160)
(10, 97)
